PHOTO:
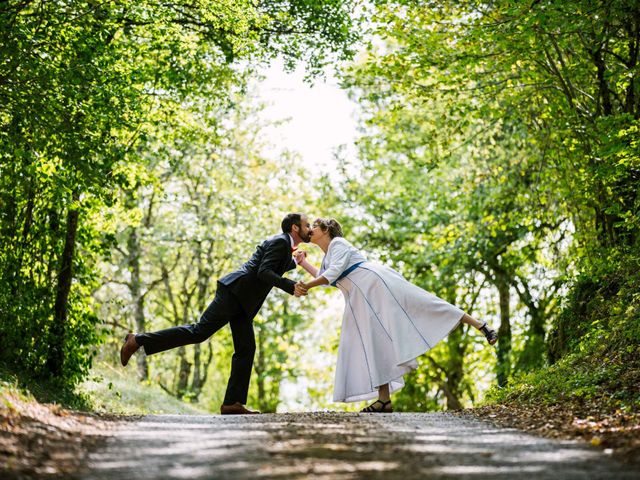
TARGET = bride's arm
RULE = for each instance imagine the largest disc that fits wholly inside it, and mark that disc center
(339, 260)
(321, 280)
(301, 260)
(309, 268)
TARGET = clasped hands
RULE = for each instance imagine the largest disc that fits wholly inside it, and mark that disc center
(300, 289)
(300, 255)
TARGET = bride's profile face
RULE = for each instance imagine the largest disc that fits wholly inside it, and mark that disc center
(316, 233)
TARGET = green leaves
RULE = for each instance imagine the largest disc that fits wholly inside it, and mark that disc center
(86, 87)
(497, 141)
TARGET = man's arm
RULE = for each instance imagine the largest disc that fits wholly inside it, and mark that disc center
(275, 253)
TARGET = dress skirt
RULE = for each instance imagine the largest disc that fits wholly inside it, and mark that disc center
(388, 322)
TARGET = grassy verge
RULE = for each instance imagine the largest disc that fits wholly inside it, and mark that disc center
(117, 391)
(592, 389)
(595, 379)
(594, 347)
(106, 391)
(582, 397)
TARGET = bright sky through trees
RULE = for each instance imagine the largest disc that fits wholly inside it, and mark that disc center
(320, 116)
(312, 120)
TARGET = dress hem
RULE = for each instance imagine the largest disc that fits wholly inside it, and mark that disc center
(358, 397)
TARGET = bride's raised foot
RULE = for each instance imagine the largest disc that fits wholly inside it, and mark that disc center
(489, 333)
(378, 407)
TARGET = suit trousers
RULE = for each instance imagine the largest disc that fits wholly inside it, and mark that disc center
(225, 308)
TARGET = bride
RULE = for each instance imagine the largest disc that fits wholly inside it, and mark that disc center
(388, 322)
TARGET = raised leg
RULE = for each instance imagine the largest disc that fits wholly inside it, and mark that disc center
(490, 334)
(220, 311)
(469, 320)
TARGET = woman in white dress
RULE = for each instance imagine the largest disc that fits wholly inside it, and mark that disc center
(388, 322)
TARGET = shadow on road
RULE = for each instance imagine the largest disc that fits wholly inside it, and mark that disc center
(341, 446)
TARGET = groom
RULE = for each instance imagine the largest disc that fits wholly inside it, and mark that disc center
(238, 299)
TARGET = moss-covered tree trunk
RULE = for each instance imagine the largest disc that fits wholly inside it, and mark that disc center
(137, 297)
(184, 371)
(57, 337)
(503, 350)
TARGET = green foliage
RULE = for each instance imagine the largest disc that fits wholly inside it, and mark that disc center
(190, 223)
(279, 329)
(84, 86)
(594, 345)
(500, 151)
(30, 387)
(106, 390)
(602, 304)
(498, 168)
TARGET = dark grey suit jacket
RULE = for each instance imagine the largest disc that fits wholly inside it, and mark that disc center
(253, 281)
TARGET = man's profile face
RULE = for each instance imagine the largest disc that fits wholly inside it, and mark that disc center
(304, 230)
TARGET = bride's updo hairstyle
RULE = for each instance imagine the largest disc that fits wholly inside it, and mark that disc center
(330, 225)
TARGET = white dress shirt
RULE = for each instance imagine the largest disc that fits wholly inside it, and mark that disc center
(292, 247)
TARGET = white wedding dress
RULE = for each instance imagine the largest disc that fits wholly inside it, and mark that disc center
(388, 322)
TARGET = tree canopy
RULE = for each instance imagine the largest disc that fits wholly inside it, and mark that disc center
(497, 166)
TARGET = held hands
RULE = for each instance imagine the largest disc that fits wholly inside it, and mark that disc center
(300, 289)
(300, 256)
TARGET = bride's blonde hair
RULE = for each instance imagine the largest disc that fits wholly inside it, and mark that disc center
(331, 225)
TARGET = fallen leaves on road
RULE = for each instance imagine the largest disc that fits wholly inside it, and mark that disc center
(45, 441)
(617, 433)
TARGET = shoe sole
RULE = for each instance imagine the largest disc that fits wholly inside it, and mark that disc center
(126, 338)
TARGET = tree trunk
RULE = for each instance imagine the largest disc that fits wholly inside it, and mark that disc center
(143, 366)
(633, 34)
(199, 376)
(442, 378)
(196, 382)
(133, 246)
(604, 93)
(55, 356)
(455, 362)
(503, 350)
(54, 228)
(532, 355)
(26, 230)
(455, 373)
(184, 370)
(453, 403)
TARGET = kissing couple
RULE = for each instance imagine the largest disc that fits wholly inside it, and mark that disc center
(388, 322)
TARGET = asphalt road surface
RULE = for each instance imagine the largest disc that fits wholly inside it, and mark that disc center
(340, 446)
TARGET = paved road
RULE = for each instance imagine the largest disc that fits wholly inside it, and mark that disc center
(341, 446)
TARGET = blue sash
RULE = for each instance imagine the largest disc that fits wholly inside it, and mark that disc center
(347, 272)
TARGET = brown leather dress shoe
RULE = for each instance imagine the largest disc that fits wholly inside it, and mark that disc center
(129, 348)
(236, 409)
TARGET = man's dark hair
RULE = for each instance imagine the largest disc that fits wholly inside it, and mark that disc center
(290, 220)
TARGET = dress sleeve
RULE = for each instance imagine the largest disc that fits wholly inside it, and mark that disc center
(339, 260)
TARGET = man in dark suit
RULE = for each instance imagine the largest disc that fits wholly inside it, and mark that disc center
(238, 299)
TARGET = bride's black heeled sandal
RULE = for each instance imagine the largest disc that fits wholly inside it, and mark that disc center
(382, 409)
(489, 333)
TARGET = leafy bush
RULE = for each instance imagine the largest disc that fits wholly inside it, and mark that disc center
(594, 346)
